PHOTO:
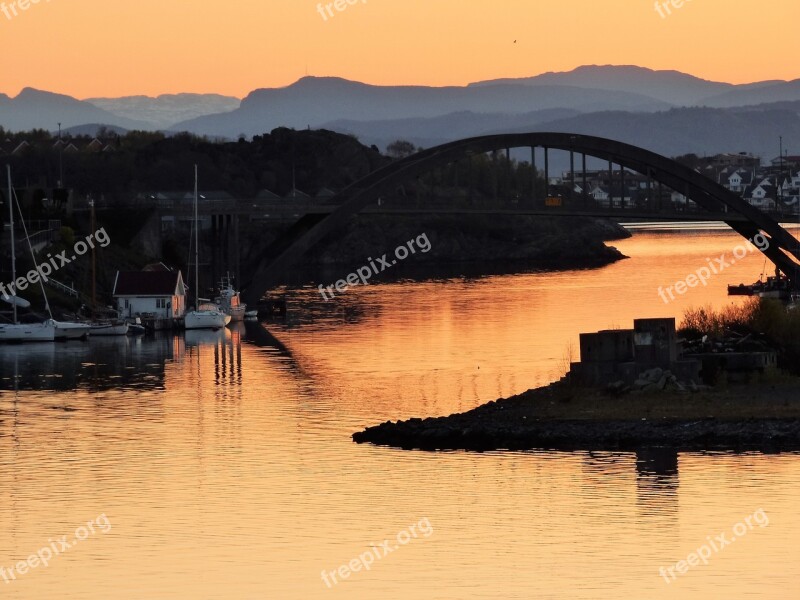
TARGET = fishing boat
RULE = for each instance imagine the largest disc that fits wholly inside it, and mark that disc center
(206, 315)
(16, 331)
(229, 301)
(776, 288)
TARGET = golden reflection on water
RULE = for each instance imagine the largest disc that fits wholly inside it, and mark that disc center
(224, 463)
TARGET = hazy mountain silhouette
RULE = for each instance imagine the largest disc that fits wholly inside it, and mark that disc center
(164, 111)
(37, 109)
(313, 100)
(703, 131)
(431, 131)
(673, 132)
(674, 87)
(625, 102)
(768, 93)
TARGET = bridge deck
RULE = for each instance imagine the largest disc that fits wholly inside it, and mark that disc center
(290, 212)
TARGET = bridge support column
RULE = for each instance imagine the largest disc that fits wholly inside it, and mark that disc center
(470, 182)
(571, 173)
(509, 177)
(546, 172)
(533, 175)
(585, 184)
(495, 177)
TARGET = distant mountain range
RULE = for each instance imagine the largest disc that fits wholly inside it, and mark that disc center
(166, 110)
(673, 87)
(698, 130)
(313, 100)
(667, 111)
(34, 109)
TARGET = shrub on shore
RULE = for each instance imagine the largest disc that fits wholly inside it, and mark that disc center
(761, 317)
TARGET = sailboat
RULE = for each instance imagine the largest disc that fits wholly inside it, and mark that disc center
(15, 331)
(67, 330)
(207, 315)
(102, 328)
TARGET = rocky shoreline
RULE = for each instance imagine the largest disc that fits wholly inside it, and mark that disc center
(471, 245)
(762, 417)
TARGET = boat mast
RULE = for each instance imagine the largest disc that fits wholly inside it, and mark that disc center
(196, 248)
(94, 262)
(13, 253)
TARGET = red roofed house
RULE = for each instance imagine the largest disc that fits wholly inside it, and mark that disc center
(153, 294)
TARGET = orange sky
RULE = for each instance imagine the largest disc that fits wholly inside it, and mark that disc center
(118, 47)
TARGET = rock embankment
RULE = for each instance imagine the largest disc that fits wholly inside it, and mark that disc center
(766, 418)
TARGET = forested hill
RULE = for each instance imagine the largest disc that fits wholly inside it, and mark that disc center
(121, 166)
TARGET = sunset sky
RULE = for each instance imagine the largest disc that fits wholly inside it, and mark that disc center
(91, 48)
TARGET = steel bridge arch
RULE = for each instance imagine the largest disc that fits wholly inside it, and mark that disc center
(783, 247)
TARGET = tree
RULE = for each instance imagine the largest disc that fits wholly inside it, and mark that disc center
(400, 149)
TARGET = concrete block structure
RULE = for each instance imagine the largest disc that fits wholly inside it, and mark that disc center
(622, 355)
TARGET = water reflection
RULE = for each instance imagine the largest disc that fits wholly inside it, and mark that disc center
(99, 364)
(224, 460)
(118, 363)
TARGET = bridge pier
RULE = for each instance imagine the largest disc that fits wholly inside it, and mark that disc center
(225, 248)
(585, 184)
(546, 173)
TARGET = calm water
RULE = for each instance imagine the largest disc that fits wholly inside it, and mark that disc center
(224, 465)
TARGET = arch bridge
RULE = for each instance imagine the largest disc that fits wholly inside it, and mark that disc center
(720, 202)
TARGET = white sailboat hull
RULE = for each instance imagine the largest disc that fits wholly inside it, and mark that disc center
(206, 319)
(28, 332)
(71, 331)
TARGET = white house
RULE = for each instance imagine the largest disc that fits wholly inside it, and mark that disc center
(761, 196)
(738, 180)
(159, 294)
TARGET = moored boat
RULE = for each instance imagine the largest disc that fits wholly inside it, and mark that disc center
(109, 328)
(136, 328)
(16, 331)
(28, 332)
(207, 316)
(69, 330)
(229, 301)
